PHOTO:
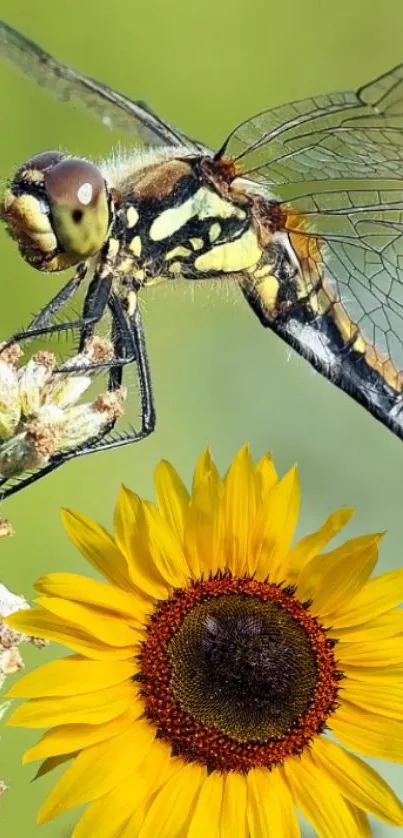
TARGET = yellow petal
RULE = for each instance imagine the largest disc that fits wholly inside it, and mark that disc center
(133, 826)
(113, 631)
(362, 823)
(172, 497)
(386, 625)
(172, 807)
(98, 769)
(206, 817)
(312, 544)
(234, 802)
(331, 579)
(90, 708)
(357, 781)
(164, 549)
(107, 816)
(373, 674)
(98, 547)
(125, 520)
(71, 677)
(51, 763)
(93, 592)
(266, 476)
(65, 738)
(204, 466)
(273, 529)
(239, 509)
(131, 536)
(319, 800)
(385, 699)
(378, 596)
(39, 623)
(271, 811)
(204, 530)
(387, 653)
(369, 734)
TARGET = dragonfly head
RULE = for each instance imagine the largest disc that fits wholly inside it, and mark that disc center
(58, 209)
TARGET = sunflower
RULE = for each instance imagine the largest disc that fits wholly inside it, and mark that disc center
(209, 666)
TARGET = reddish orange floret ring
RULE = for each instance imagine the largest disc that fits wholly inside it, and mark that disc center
(237, 674)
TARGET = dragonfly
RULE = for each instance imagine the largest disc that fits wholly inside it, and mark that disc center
(301, 206)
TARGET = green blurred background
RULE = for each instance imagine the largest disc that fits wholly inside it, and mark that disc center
(219, 378)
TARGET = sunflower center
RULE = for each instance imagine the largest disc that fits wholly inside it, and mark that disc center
(236, 673)
(244, 665)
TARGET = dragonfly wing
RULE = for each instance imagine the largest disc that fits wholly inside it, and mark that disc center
(112, 108)
(334, 164)
(341, 135)
(344, 309)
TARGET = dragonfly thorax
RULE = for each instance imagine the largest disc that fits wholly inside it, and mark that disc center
(173, 220)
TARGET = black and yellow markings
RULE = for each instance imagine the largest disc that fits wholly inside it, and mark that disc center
(132, 217)
(135, 246)
(192, 231)
(184, 224)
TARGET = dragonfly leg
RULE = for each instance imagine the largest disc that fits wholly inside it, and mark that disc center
(37, 326)
(129, 342)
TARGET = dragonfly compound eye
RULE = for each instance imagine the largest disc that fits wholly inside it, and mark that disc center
(57, 209)
(78, 201)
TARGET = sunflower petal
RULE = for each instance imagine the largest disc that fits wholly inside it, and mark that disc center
(378, 596)
(172, 497)
(98, 769)
(266, 475)
(204, 531)
(240, 503)
(362, 822)
(107, 816)
(204, 465)
(319, 801)
(90, 708)
(357, 781)
(38, 623)
(130, 533)
(105, 627)
(386, 625)
(169, 811)
(51, 763)
(125, 519)
(233, 811)
(206, 817)
(373, 674)
(387, 653)
(165, 550)
(71, 677)
(383, 699)
(64, 738)
(93, 592)
(369, 734)
(271, 809)
(273, 529)
(312, 544)
(331, 579)
(98, 547)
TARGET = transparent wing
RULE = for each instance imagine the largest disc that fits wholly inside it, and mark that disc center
(342, 309)
(342, 135)
(113, 109)
(360, 256)
(335, 163)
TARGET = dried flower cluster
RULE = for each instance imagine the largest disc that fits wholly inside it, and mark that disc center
(39, 411)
